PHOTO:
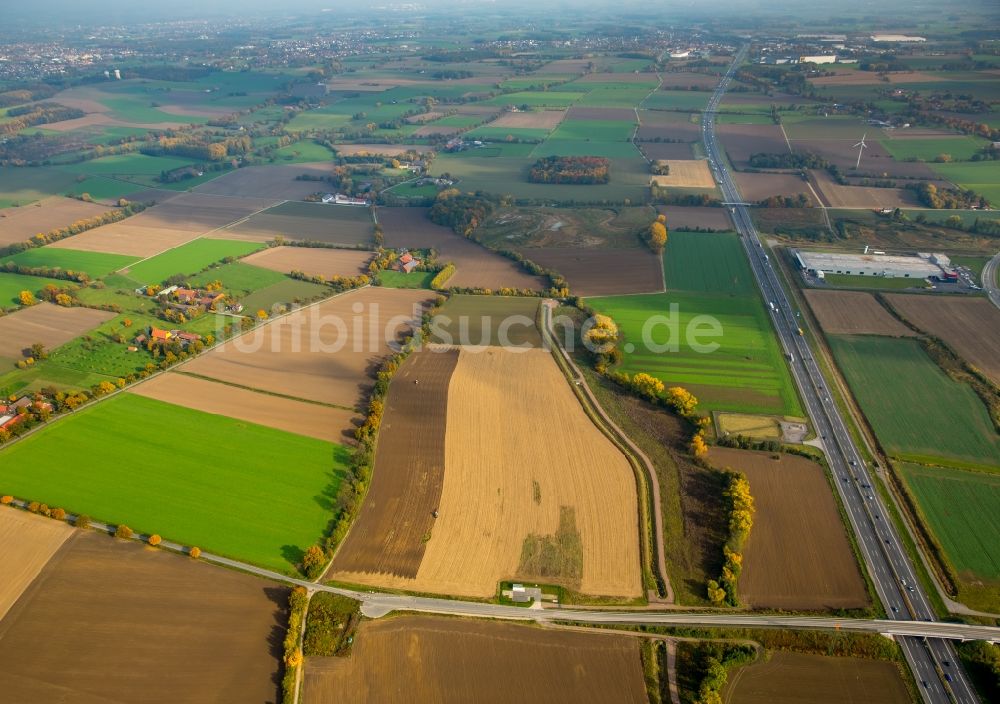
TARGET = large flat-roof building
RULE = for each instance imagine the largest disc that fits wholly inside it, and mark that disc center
(872, 264)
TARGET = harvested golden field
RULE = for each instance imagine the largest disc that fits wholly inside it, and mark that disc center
(276, 182)
(312, 261)
(970, 326)
(49, 324)
(536, 119)
(476, 266)
(166, 225)
(686, 173)
(853, 313)
(523, 497)
(797, 556)
(113, 621)
(750, 425)
(326, 352)
(310, 419)
(756, 186)
(27, 542)
(836, 196)
(20, 224)
(437, 659)
(819, 679)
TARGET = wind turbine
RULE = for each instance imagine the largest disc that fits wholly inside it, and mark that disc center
(862, 146)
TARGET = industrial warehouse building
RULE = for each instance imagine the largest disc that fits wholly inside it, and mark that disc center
(921, 266)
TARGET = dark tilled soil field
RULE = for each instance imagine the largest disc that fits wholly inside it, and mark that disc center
(112, 621)
(436, 659)
(876, 162)
(602, 272)
(389, 533)
(666, 150)
(743, 141)
(683, 217)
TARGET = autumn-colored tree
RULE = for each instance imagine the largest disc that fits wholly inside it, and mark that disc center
(698, 447)
(657, 236)
(27, 298)
(195, 552)
(603, 334)
(646, 385)
(123, 532)
(682, 401)
(82, 521)
(58, 514)
(34, 506)
(661, 218)
(261, 314)
(154, 540)
(105, 387)
(294, 658)
(313, 561)
(715, 594)
(127, 322)
(6, 499)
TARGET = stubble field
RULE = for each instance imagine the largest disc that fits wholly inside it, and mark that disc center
(690, 173)
(20, 224)
(324, 353)
(321, 222)
(312, 261)
(522, 498)
(27, 542)
(455, 661)
(275, 182)
(853, 313)
(137, 624)
(797, 556)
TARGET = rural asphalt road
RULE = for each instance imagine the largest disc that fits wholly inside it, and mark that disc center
(934, 661)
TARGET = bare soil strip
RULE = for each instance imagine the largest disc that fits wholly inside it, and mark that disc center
(390, 533)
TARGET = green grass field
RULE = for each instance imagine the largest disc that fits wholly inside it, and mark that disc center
(397, 279)
(94, 264)
(189, 258)
(983, 177)
(134, 168)
(477, 320)
(284, 292)
(596, 130)
(11, 286)
(499, 134)
(707, 262)
(745, 373)
(918, 413)
(230, 487)
(879, 283)
(677, 100)
(960, 148)
(577, 147)
(963, 510)
(303, 151)
(239, 278)
(26, 185)
(555, 99)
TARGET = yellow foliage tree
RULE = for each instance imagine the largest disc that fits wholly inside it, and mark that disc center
(27, 298)
(682, 400)
(657, 236)
(647, 385)
(698, 447)
(195, 553)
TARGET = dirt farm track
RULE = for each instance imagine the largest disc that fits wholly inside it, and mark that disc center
(436, 659)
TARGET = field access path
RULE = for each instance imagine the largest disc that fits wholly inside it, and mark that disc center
(578, 380)
(889, 567)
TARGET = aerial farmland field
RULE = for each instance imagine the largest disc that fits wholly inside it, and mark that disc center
(27, 542)
(20, 224)
(189, 258)
(321, 222)
(46, 323)
(312, 261)
(796, 523)
(133, 606)
(486, 320)
(95, 264)
(454, 661)
(918, 413)
(560, 520)
(962, 510)
(853, 313)
(217, 510)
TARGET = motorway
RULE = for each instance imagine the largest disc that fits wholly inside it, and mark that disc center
(934, 662)
(990, 279)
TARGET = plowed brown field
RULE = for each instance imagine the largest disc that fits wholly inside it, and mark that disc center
(475, 265)
(27, 542)
(435, 659)
(836, 196)
(510, 476)
(818, 679)
(312, 261)
(46, 323)
(321, 222)
(388, 535)
(971, 326)
(126, 623)
(756, 187)
(310, 419)
(684, 217)
(166, 225)
(853, 313)
(602, 272)
(276, 182)
(743, 141)
(20, 224)
(797, 556)
(325, 352)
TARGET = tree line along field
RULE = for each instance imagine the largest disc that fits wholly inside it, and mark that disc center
(193, 477)
(917, 412)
